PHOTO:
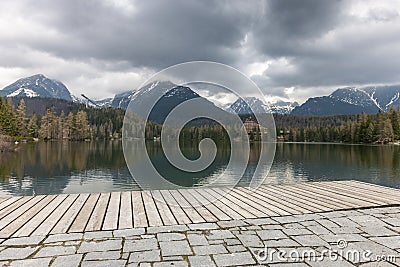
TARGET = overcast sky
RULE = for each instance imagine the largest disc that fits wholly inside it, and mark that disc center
(291, 48)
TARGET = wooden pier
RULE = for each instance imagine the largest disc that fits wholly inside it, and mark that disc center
(69, 213)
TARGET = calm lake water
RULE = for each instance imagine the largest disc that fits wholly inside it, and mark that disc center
(75, 167)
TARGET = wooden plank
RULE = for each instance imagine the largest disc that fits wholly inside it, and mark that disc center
(8, 202)
(205, 213)
(112, 214)
(215, 207)
(176, 210)
(12, 216)
(375, 189)
(69, 216)
(285, 204)
(307, 198)
(263, 202)
(84, 214)
(139, 215)
(189, 210)
(10, 229)
(322, 198)
(252, 201)
(13, 206)
(96, 219)
(363, 195)
(4, 199)
(335, 197)
(342, 195)
(166, 215)
(240, 201)
(36, 220)
(153, 217)
(279, 209)
(46, 226)
(243, 211)
(307, 206)
(125, 215)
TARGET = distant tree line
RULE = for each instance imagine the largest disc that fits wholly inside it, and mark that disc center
(383, 127)
(88, 123)
(106, 123)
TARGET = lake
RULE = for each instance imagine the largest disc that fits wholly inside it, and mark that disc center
(99, 166)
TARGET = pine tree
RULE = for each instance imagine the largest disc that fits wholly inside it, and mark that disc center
(33, 127)
(21, 117)
(8, 122)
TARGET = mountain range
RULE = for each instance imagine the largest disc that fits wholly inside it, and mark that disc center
(349, 100)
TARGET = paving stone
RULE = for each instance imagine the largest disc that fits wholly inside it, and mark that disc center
(200, 261)
(71, 243)
(174, 248)
(55, 251)
(332, 214)
(291, 264)
(286, 242)
(271, 234)
(166, 229)
(172, 258)
(309, 223)
(216, 241)
(234, 259)
(333, 238)
(145, 256)
(91, 246)
(98, 235)
(310, 240)
(197, 239)
(328, 223)
(232, 241)
(44, 262)
(377, 264)
(253, 227)
(203, 226)
(318, 230)
(250, 240)
(17, 253)
(63, 237)
(220, 234)
(236, 248)
(103, 255)
(392, 221)
(272, 227)
(248, 232)
(293, 226)
(129, 232)
(209, 250)
(171, 263)
(366, 220)
(72, 260)
(170, 236)
(107, 263)
(232, 223)
(328, 262)
(140, 245)
(344, 222)
(300, 231)
(148, 236)
(389, 241)
(25, 241)
(286, 219)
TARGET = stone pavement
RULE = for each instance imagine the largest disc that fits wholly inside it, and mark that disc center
(364, 237)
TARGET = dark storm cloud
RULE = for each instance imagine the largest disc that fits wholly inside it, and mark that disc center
(152, 34)
(106, 46)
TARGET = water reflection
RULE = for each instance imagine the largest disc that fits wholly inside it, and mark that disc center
(73, 167)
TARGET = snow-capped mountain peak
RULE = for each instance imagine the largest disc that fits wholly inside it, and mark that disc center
(37, 86)
(249, 105)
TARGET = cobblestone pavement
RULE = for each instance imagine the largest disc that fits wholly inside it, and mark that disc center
(340, 238)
